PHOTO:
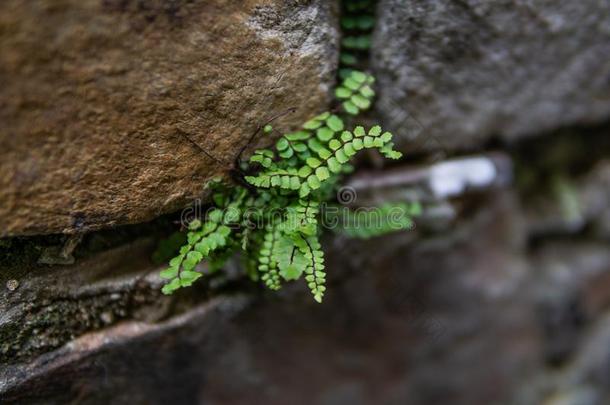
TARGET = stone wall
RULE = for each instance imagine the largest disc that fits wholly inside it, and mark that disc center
(500, 295)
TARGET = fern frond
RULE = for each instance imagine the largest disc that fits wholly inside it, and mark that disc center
(356, 92)
(202, 239)
(330, 152)
(314, 269)
(267, 263)
(264, 157)
(365, 223)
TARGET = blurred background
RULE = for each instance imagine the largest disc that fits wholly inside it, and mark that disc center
(499, 295)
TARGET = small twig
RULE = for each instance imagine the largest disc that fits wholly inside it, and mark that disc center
(243, 148)
(196, 145)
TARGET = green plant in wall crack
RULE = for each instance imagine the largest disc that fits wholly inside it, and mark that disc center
(275, 221)
(276, 224)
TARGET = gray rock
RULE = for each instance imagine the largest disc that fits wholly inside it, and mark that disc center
(402, 323)
(453, 74)
(466, 317)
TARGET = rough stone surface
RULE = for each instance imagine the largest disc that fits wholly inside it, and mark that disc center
(453, 74)
(404, 319)
(474, 315)
(52, 305)
(95, 97)
(502, 298)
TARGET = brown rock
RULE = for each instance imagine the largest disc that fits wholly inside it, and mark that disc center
(95, 97)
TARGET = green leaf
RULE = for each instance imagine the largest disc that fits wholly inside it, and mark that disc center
(282, 144)
(216, 240)
(295, 183)
(357, 144)
(297, 136)
(345, 73)
(346, 136)
(224, 230)
(314, 144)
(340, 156)
(291, 272)
(312, 124)
(171, 286)
(192, 259)
(304, 190)
(358, 76)
(215, 216)
(286, 154)
(299, 147)
(349, 150)
(360, 102)
(366, 91)
(334, 123)
(322, 173)
(285, 182)
(322, 116)
(334, 144)
(351, 83)
(309, 229)
(169, 273)
(195, 224)
(190, 275)
(305, 171)
(324, 153)
(359, 131)
(313, 162)
(313, 182)
(343, 93)
(334, 165)
(176, 261)
(350, 108)
(324, 134)
(348, 59)
(348, 23)
(375, 130)
(364, 22)
(203, 247)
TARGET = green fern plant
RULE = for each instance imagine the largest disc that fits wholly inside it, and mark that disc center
(276, 223)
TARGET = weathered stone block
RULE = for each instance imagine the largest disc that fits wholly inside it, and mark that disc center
(454, 74)
(96, 98)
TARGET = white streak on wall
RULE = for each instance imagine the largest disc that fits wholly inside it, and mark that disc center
(454, 177)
